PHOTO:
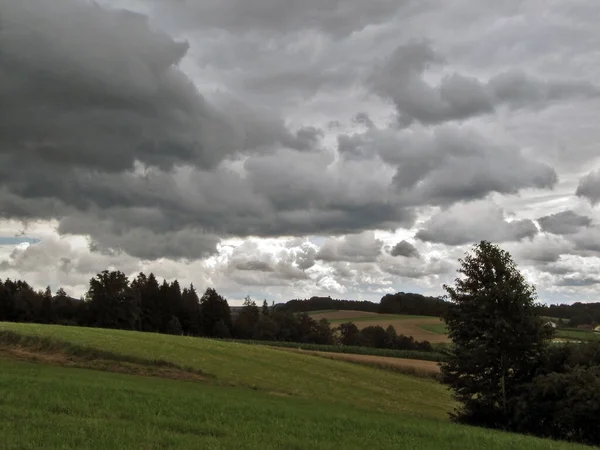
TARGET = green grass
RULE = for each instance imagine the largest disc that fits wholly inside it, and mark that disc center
(576, 334)
(438, 328)
(354, 350)
(266, 369)
(58, 408)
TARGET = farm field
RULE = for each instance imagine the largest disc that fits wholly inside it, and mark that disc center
(58, 408)
(52, 407)
(421, 328)
(265, 368)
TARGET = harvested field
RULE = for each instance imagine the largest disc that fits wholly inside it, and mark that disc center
(414, 366)
(341, 315)
(408, 327)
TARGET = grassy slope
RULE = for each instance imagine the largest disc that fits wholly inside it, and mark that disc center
(267, 369)
(58, 408)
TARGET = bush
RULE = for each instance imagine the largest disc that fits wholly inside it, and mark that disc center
(562, 406)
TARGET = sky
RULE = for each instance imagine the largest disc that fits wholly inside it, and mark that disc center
(284, 149)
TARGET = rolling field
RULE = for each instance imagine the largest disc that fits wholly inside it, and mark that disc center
(266, 369)
(62, 408)
(421, 328)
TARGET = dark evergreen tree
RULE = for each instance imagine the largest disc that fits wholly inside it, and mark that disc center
(497, 337)
(190, 313)
(174, 326)
(247, 320)
(213, 309)
(113, 303)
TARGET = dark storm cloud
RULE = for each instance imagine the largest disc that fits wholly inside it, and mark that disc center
(100, 93)
(448, 164)
(406, 249)
(565, 222)
(459, 97)
(471, 223)
(589, 187)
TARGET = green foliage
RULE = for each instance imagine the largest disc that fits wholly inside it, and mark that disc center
(58, 408)
(562, 405)
(496, 334)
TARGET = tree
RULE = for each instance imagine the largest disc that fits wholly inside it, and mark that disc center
(113, 303)
(247, 320)
(215, 314)
(497, 336)
(349, 334)
(174, 326)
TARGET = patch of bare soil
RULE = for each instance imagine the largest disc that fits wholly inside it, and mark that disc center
(58, 358)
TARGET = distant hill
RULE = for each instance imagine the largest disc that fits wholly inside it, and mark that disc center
(399, 303)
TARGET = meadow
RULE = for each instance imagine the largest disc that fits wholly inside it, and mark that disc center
(251, 397)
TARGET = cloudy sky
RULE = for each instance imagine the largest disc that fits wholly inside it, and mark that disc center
(285, 149)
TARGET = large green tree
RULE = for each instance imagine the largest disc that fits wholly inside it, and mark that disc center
(497, 337)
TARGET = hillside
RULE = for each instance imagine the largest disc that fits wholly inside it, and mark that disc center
(251, 398)
(267, 369)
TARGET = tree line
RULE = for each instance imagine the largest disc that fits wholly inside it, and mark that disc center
(144, 304)
(399, 303)
(502, 365)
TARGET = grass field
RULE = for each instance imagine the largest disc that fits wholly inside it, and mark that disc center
(576, 334)
(422, 328)
(58, 408)
(267, 369)
(438, 328)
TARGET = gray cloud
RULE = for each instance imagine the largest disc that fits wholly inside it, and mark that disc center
(448, 164)
(272, 16)
(362, 247)
(459, 97)
(259, 266)
(589, 187)
(577, 281)
(471, 223)
(565, 222)
(406, 249)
